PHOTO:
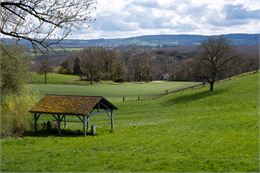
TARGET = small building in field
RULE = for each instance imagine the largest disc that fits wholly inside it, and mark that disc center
(83, 107)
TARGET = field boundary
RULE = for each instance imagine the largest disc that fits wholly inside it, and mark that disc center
(167, 92)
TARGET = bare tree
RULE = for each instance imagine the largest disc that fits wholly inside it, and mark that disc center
(90, 64)
(45, 68)
(215, 55)
(117, 69)
(37, 21)
(147, 67)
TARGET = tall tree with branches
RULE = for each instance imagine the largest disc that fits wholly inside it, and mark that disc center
(38, 21)
(215, 55)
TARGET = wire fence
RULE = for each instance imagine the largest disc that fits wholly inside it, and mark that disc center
(156, 96)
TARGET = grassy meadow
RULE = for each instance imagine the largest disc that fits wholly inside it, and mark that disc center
(70, 84)
(188, 131)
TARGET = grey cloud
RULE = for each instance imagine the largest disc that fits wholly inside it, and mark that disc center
(234, 15)
(234, 12)
(139, 15)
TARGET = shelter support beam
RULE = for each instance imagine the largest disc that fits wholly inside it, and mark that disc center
(56, 118)
(35, 121)
(84, 125)
(87, 122)
(80, 118)
(65, 121)
(36, 117)
(59, 120)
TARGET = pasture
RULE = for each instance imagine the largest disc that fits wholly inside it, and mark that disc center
(69, 84)
(188, 131)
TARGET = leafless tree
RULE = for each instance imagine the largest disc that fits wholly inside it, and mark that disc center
(37, 21)
(141, 66)
(108, 57)
(215, 55)
(45, 68)
(90, 64)
(117, 69)
(147, 67)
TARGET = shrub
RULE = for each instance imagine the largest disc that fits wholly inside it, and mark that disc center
(15, 118)
(14, 69)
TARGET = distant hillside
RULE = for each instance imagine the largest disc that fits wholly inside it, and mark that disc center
(150, 41)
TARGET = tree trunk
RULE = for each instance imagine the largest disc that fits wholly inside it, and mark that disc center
(91, 79)
(211, 86)
(45, 78)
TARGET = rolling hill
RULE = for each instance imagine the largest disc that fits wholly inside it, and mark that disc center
(150, 41)
(190, 131)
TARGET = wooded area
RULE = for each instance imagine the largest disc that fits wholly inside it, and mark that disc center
(215, 59)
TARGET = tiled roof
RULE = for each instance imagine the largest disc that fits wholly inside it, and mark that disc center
(69, 104)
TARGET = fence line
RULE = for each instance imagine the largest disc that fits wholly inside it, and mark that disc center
(156, 96)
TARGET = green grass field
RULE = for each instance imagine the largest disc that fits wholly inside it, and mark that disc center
(189, 131)
(69, 84)
(54, 78)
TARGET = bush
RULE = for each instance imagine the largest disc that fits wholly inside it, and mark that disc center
(15, 118)
(14, 69)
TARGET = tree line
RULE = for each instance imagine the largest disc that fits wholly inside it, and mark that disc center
(215, 59)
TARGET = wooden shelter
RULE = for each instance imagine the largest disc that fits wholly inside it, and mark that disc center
(60, 106)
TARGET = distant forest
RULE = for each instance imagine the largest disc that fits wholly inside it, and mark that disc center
(141, 64)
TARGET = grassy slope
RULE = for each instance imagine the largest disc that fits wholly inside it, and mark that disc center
(187, 131)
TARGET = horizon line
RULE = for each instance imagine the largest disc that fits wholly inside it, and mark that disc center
(110, 38)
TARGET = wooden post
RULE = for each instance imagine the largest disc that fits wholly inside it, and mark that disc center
(112, 121)
(93, 130)
(84, 125)
(138, 98)
(65, 121)
(59, 120)
(87, 122)
(35, 121)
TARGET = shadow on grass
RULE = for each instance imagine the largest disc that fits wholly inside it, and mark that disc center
(54, 133)
(186, 98)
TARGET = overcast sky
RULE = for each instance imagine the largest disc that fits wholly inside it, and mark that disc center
(125, 18)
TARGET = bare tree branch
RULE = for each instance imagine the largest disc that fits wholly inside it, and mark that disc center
(38, 21)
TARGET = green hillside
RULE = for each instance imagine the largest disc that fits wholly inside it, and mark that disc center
(188, 131)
